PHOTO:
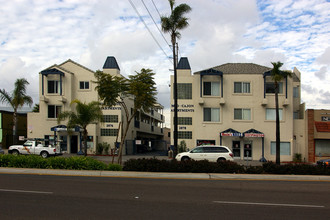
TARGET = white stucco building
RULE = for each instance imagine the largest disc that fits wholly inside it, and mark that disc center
(60, 84)
(234, 105)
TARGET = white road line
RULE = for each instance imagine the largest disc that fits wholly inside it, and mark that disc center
(269, 204)
(24, 191)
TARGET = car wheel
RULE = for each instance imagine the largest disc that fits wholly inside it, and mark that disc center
(44, 154)
(185, 159)
(15, 152)
(221, 159)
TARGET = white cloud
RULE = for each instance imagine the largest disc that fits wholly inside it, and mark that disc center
(38, 34)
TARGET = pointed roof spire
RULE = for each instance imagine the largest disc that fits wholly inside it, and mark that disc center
(111, 63)
(183, 64)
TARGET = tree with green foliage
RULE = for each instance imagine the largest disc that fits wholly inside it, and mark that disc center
(36, 108)
(172, 24)
(277, 76)
(16, 100)
(85, 114)
(115, 89)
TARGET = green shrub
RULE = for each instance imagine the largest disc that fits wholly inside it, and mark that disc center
(71, 163)
(99, 148)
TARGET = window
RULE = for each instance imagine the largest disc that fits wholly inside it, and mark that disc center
(184, 134)
(271, 114)
(53, 111)
(212, 114)
(184, 120)
(211, 88)
(241, 87)
(83, 85)
(53, 86)
(270, 87)
(295, 92)
(109, 132)
(285, 148)
(215, 150)
(242, 114)
(184, 90)
(110, 118)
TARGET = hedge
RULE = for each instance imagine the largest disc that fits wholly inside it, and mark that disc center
(70, 163)
(154, 165)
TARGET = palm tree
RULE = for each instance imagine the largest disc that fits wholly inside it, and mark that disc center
(277, 76)
(172, 24)
(86, 114)
(16, 100)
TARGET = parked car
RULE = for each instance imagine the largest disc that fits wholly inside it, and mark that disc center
(1, 151)
(212, 153)
(324, 161)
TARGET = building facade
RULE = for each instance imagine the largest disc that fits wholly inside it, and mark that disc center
(234, 105)
(60, 84)
(318, 134)
(6, 128)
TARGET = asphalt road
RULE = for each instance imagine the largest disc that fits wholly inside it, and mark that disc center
(66, 197)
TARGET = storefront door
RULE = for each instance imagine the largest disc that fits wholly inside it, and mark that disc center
(237, 149)
(248, 151)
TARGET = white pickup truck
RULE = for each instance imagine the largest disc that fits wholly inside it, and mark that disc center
(35, 147)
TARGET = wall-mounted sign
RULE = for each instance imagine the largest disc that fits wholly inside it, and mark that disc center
(325, 118)
(184, 108)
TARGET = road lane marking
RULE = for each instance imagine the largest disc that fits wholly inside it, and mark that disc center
(269, 204)
(24, 191)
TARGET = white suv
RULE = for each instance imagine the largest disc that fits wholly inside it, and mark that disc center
(212, 153)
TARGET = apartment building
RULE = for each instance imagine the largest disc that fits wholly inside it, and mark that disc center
(60, 84)
(234, 105)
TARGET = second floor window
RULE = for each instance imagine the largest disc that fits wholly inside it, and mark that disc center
(53, 86)
(271, 114)
(211, 88)
(211, 115)
(184, 90)
(242, 114)
(53, 111)
(83, 85)
(241, 87)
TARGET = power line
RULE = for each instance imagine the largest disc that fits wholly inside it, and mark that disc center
(155, 23)
(156, 8)
(148, 28)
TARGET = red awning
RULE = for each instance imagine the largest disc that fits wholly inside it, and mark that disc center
(322, 126)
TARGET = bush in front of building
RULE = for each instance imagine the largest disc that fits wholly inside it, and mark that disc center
(70, 163)
(191, 166)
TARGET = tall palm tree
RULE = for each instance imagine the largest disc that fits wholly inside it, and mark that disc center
(85, 114)
(16, 100)
(172, 24)
(277, 76)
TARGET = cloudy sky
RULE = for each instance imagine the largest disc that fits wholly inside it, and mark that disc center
(37, 34)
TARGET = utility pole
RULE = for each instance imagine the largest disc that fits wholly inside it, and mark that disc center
(175, 130)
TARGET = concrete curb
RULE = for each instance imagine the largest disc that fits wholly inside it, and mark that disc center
(159, 175)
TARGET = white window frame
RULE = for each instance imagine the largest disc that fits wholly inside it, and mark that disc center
(84, 85)
(56, 86)
(215, 88)
(245, 114)
(57, 110)
(214, 115)
(245, 88)
(271, 114)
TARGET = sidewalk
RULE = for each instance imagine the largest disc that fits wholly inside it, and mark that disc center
(158, 175)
